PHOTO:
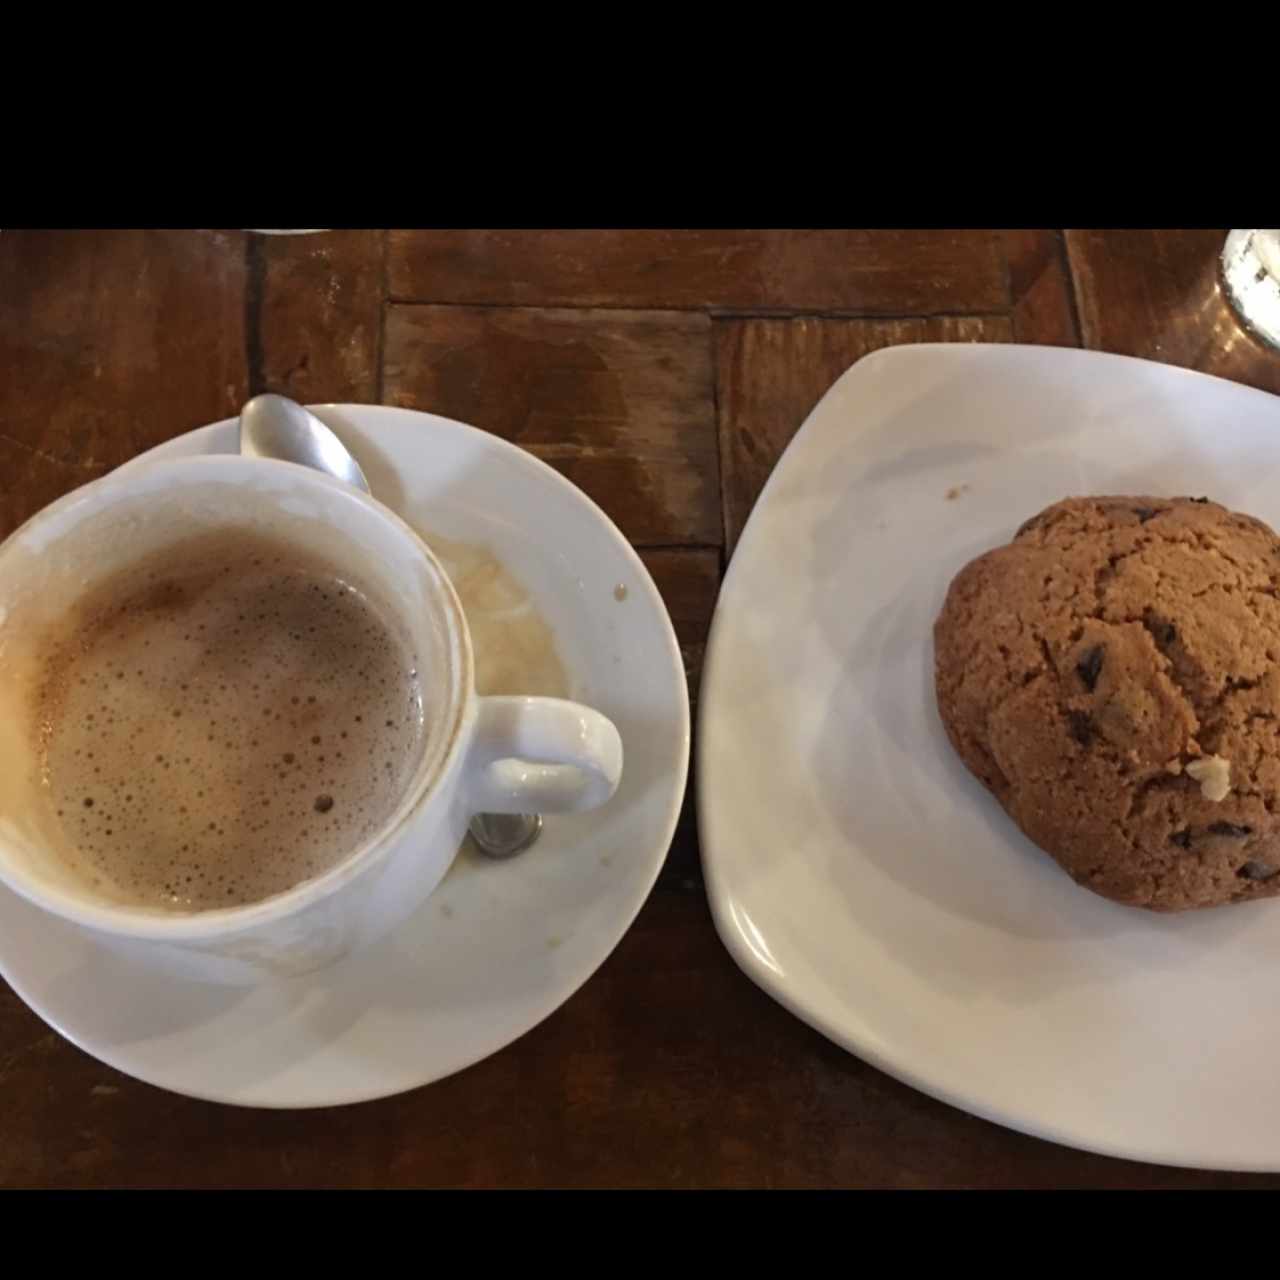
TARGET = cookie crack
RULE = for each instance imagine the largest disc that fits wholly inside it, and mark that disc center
(1001, 703)
(1104, 573)
(1207, 544)
(1155, 781)
(1153, 628)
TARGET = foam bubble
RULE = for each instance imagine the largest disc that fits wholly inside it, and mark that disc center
(246, 640)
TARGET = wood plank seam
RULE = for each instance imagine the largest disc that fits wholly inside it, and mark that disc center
(381, 349)
(1073, 301)
(255, 360)
(691, 547)
(716, 457)
(711, 312)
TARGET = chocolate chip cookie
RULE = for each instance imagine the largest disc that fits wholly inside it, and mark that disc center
(1112, 675)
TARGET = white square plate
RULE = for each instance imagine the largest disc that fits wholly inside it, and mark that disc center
(859, 874)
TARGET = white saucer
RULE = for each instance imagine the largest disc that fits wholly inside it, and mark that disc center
(855, 869)
(500, 945)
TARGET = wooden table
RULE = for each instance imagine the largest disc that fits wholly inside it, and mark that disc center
(664, 372)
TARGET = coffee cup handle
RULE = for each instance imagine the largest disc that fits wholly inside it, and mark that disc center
(541, 755)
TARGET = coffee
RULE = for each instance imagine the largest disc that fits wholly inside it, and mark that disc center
(223, 722)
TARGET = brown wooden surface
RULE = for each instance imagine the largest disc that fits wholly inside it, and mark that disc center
(871, 272)
(664, 372)
(619, 401)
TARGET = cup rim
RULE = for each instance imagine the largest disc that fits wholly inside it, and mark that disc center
(154, 925)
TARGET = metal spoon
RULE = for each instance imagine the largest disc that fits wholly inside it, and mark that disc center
(277, 427)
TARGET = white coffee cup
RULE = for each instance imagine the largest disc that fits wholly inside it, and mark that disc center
(491, 755)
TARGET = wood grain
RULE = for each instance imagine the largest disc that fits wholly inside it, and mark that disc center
(1157, 294)
(770, 374)
(110, 343)
(689, 581)
(315, 317)
(870, 272)
(1040, 286)
(620, 402)
(668, 1069)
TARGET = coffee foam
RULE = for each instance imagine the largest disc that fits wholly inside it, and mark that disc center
(223, 721)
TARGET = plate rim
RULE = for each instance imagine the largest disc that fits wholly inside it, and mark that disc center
(719, 894)
(627, 916)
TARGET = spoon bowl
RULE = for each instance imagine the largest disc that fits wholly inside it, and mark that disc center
(276, 427)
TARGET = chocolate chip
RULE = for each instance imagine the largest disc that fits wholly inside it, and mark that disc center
(1089, 666)
(1181, 838)
(1163, 633)
(324, 804)
(1229, 829)
(1080, 725)
(1256, 871)
(1145, 513)
(1199, 499)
